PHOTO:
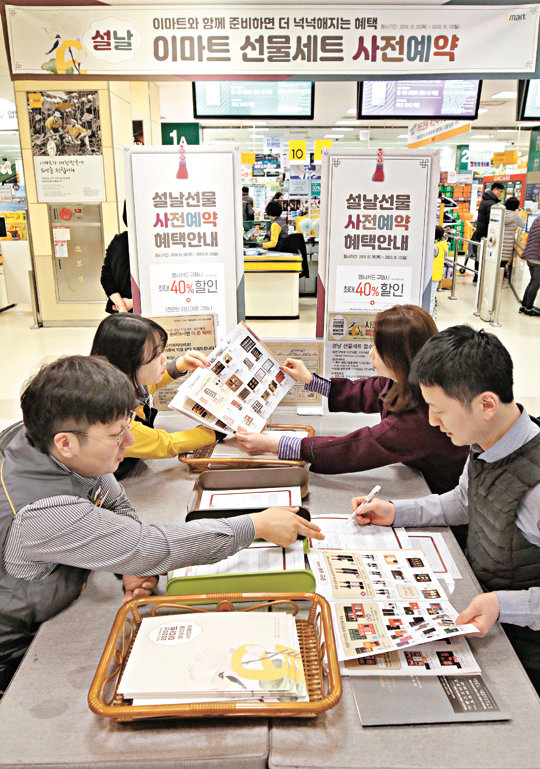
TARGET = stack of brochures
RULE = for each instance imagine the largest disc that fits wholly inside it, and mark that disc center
(215, 656)
(241, 387)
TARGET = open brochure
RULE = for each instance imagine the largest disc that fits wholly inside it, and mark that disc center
(450, 656)
(342, 533)
(241, 387)
(383, 600)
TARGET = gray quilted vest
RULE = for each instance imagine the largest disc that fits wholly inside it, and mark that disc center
(499, 554)
(29, 475)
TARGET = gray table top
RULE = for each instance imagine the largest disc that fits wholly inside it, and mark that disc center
(45, 720)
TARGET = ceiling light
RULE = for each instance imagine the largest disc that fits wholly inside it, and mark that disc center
(483, 110)
(329, 136)
(351, 111)
(506, 130)
(504, 95)
(347, 122)
(342, 128)
(335, 136)
(481, 136)
(403, 136)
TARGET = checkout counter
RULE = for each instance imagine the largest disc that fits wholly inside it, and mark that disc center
(271, 278)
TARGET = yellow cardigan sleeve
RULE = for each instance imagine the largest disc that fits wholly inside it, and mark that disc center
(275, 229)
(154, 443)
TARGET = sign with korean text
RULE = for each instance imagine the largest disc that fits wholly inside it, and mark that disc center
(308, 351)
(185, 332)
(346, 40)
(65, 136)
(186, 238)
(431, 131)
(349, 338)
(377, 225)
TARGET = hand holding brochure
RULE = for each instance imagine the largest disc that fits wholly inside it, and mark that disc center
(383, 600)
(241, 388)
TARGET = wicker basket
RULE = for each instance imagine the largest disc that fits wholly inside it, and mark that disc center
(317, 644)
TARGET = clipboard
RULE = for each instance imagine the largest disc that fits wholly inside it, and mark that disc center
(275, 581)
(201, 459)
(266, 477)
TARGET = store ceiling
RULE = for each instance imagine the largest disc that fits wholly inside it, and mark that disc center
(336, 101)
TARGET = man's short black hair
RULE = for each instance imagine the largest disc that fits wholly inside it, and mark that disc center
(245, 189)
(274, 208)
(72, 391)
(465, 363)
(497, 186)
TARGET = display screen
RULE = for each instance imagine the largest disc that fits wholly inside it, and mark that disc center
(528, 103)
(254, 98)
(530, 220)
(411, 99)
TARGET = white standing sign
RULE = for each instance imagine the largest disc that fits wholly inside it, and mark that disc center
(378, 218)
(185, 233)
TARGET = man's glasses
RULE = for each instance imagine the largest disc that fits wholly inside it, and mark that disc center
(119, 437)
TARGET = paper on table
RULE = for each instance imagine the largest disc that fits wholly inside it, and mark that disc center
(449, 656)
(230, 447)
(341, 535)
(263, 557)
(250, 498)
(435, 549)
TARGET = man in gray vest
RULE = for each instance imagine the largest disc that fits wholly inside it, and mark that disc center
(63, 513)
(466, 378)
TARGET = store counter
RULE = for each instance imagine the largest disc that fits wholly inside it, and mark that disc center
(271, 283)
(45, 721)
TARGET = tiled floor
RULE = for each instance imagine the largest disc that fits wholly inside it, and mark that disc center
(23, 349)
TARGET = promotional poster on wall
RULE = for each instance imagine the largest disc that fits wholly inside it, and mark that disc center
(65, 135)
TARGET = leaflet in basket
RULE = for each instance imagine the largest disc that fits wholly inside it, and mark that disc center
(241, 388)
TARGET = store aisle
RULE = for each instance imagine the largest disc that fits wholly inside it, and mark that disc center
(24, 349)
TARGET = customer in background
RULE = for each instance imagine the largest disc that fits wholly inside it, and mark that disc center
(279, 229)
(278, 196)
(512, 223)
(403, 434)
(115, 273)
(489, 198)
(466, 378)
(135, 345)
(439, 252)
(248, 214)
(531, 254)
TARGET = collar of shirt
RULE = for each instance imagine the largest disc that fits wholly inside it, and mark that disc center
(521, 432)
(89, 483)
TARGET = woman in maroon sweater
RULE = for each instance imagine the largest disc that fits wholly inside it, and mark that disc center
(403, 434)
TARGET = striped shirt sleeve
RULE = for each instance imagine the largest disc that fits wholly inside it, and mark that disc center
(72, 531)
(319, 385)
(289, 447)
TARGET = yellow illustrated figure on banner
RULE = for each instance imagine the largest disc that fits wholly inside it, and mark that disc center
(69, 55)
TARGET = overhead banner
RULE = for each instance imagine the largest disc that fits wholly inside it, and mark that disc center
(185, 231)
(341, 40)
(378, 217)
(432, 131)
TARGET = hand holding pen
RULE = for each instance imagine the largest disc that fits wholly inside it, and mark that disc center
(368, 509)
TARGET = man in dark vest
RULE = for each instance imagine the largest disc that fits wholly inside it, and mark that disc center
(63, 513)
(466, 378)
